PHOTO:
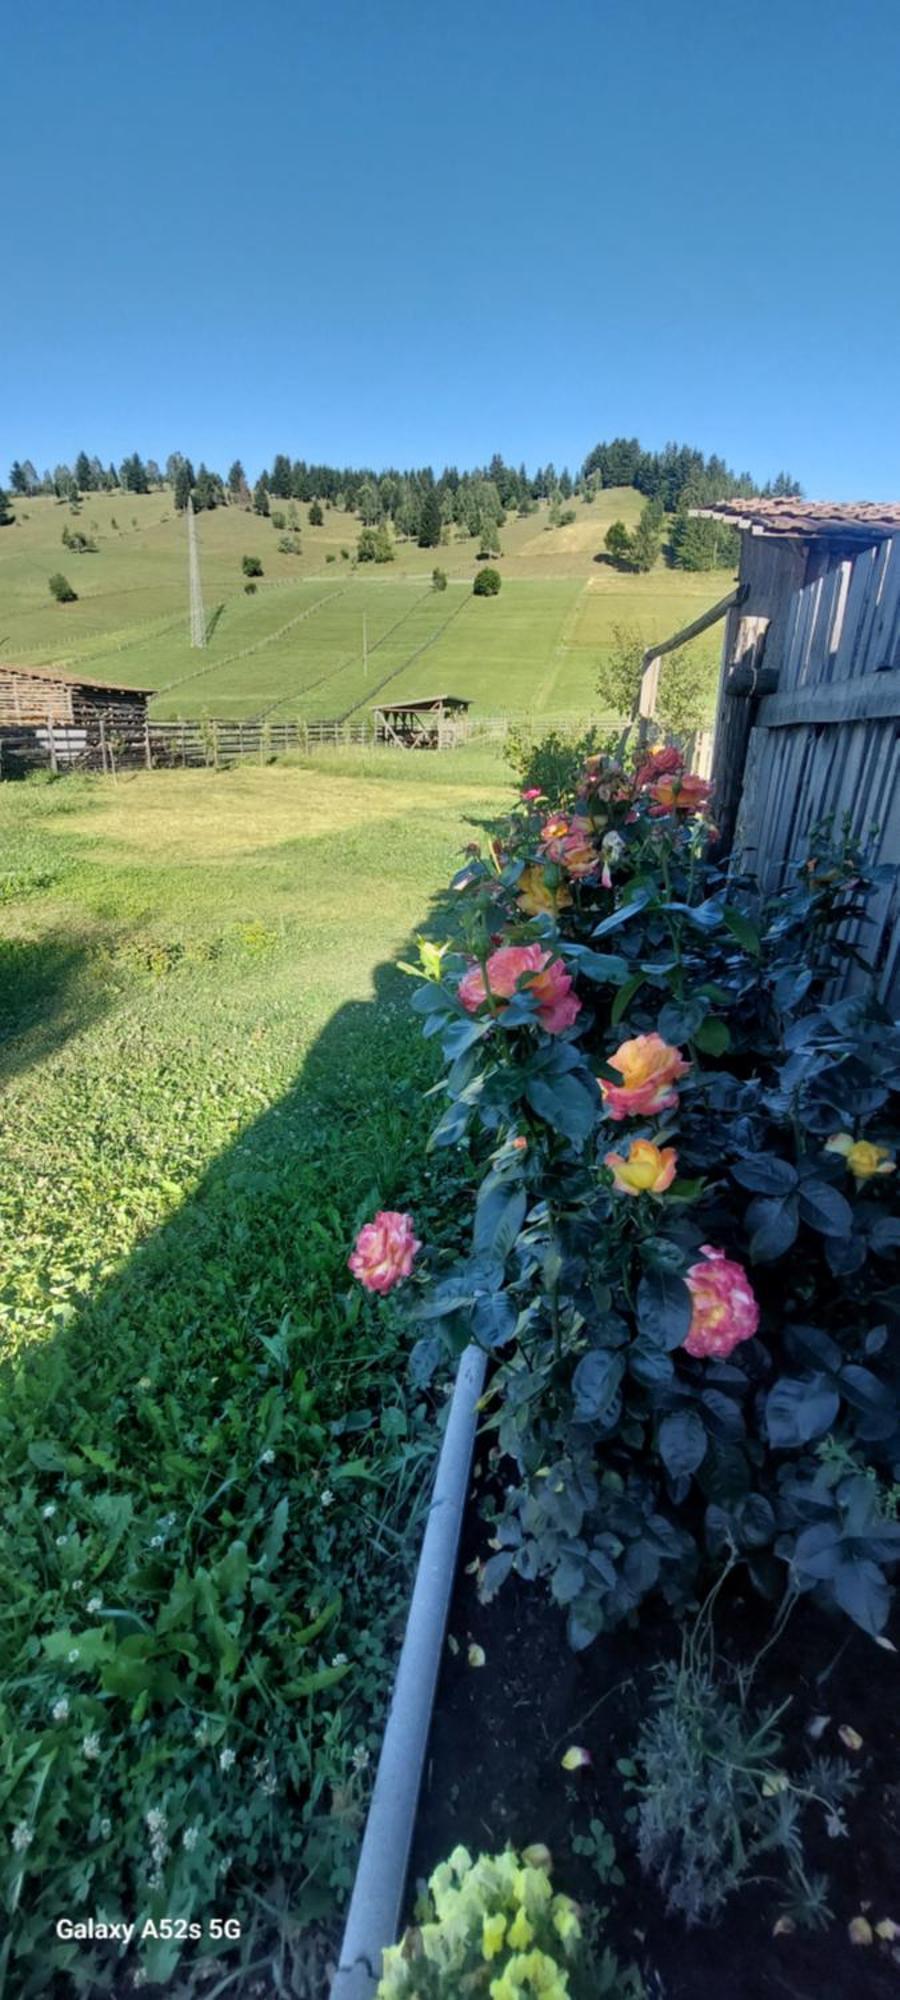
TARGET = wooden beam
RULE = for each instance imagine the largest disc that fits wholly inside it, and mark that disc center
(701, 624)
(870, 698)
(771, 573)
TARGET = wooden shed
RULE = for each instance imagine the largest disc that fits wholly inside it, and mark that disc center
(808, 719)
(48, 715)
(425, 724)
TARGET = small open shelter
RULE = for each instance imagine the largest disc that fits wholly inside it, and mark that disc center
(429, 723)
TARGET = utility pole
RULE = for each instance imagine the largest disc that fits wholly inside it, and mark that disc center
(198, 616)
(365, 649)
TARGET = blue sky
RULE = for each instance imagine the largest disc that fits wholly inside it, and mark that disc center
(407, 234)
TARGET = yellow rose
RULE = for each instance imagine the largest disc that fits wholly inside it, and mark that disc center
(520, 1932)
(648, 1169)
(863, 1158)
(536, 898)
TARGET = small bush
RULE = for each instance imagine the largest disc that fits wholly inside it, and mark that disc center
(553, 764)
(251, 566)
(345, 555)
(61, 589)
(278, 520)
(289, 545)
(315, 516)
(375, 545)
(332, 558)
(250, 589)
(438, 579)
(487, 583)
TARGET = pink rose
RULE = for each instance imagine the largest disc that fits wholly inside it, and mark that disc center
(649, 1068)
(533, 792)
(667, 763)
(384, 1251)
(547, 979)
(725, 1306)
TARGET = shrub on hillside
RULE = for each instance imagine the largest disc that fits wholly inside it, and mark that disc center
(620, 672)
(278, 519)
(487, 583)
(315, 516)
(250, 590)
(686, 697)
(375, 545)
(61, 589)
(551, 765)
(438, 579)
(251, 566)
(289, 545)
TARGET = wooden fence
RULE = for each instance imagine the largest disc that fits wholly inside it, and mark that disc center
(808, 723)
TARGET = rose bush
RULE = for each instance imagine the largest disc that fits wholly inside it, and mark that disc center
(681, 1244)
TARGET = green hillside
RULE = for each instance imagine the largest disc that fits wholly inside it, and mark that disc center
(296, 646)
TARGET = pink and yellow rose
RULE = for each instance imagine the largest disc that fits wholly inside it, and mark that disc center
(645, 1169)
(650, 1069)
(384, 1251)
(725, 1308)
(666, 763)
(546, 976)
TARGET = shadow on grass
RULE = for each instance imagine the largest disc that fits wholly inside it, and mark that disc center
(47, 994)
(202, 1402)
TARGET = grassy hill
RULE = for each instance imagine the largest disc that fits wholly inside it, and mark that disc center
(295, 648)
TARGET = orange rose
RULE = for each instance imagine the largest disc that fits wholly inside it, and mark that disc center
(649, 1068)
(687, 794)
(535, 896)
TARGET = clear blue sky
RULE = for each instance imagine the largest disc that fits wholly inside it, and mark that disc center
(404, 233)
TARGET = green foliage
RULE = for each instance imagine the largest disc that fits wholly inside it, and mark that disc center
(438, 579)
(7, 516)
(278, 519)
(289, 545)
(487, 583)
(645, 542)
(316, 516)
(260, 499)
(496, 1924)
(621, 670)
(61, 589)
(701, 544)
(375, 545)
(618, 544)
(552, 764)
(686, 695)
(251, 565)
(430, 521)
(717, 1805)
(184, 480)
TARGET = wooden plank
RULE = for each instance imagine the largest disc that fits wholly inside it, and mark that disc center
(701, 624)
(867, 699)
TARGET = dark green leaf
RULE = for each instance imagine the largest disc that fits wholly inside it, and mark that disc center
(713, 1036)
(797, 1411)
(664, 1308)
(765, 1174)
(682, 1442)
(773, 1226)
(624, 913)
(494, 1319)
(825, 1209)
(566, 1104)
(595, 1383)
(741, 929)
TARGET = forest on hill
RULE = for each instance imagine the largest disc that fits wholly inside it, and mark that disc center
(420, 505)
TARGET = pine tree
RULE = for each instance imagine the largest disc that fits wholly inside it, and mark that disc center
(237, 480)
(431, 523)
(84, 475)
(17, 478)
(282, 480)
(260, 498)
(316, 516)
(183, 484)
(6, 513)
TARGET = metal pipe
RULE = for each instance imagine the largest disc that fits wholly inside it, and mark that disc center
(375, 1905)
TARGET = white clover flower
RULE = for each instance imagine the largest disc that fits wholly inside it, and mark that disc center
(105, 1828)
(227, 1757)
(156, 1541)
(340, 1660)
(77, 1583)
(61, 1541)
(73, 1655)
(155, 1820)
(49, 1511)
(145, 1382)
(267, 1457)
(22, 1836)
(90, 1745)
(190, 1838)
(60, 1709)
(95, 1604)
(326, 1497)
(269, 1784)
(360, 1758)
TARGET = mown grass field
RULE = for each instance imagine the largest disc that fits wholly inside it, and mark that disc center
(208, 1078)
(295, 648)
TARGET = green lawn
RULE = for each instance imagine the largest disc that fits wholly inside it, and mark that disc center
(209, 1077)
(295, 647)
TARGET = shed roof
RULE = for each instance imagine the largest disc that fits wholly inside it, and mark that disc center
(843, 520)
(61, 678)
(422, 702)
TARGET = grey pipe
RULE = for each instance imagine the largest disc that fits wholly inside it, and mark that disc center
(375, 1905)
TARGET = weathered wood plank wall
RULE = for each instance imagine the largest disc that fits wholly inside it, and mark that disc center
(826, 739)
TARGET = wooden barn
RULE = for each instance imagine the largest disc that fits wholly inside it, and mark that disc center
(48, 716)
(429, 723)
(808, 721)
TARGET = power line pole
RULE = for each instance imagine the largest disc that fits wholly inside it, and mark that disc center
(198, 615)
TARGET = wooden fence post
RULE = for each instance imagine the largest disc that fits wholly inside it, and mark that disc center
(103, 742)
(183, 747)
(148, 754)
(772, 570)
(54, 761)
